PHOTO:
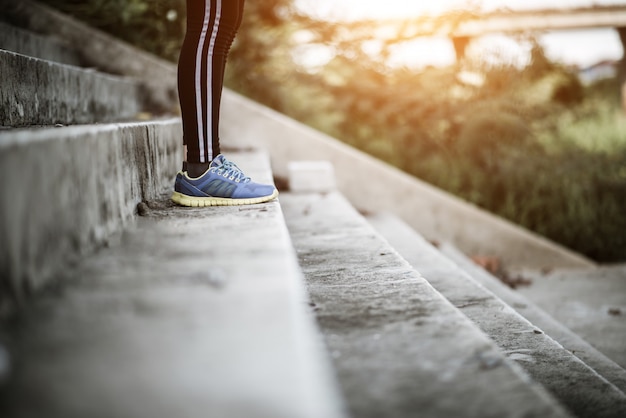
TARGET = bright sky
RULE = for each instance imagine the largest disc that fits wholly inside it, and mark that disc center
(574, 47)
(353, 9)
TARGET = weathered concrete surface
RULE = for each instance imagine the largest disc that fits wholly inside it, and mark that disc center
(311, 177)
(43, 47)
(591, 302)
(39, 92)
(578, 387)
(400, 349)
(100, 50)
(66, 190)
(194, 313)
(598, 361)
(373, 186)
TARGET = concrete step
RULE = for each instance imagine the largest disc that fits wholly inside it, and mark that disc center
(99, 50)
(581, 389)
(194, 313)
(67, 190)
(39, 92)
(34, 45)
(591, 302)
(573, 342)
(399, 347)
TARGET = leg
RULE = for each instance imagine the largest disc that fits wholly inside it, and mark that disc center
(211, 28)
(210, 179)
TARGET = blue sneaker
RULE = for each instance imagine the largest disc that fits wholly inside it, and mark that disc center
(223, 184)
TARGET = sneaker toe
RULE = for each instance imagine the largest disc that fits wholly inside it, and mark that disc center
(253, 190)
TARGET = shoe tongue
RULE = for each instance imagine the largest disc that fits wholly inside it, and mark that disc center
(218, 161)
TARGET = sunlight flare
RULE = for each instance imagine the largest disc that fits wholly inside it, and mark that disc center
(373, 9)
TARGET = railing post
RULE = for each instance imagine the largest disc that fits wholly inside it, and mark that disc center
(460, 45)
(622, 66)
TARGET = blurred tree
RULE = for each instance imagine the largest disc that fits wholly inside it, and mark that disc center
(260, 64)
(154, 25)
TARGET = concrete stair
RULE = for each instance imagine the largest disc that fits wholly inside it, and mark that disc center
(192, 312)
(39, 92)
(579, 387)
(48, 81)
(115, 302)
(591, 302)
(44, 82)
(399, 347)
(609, 368)
(70, 189)
(93, 49)
(31, 44)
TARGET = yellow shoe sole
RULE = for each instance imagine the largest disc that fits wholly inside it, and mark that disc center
(199, 202)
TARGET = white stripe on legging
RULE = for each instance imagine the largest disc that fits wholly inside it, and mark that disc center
(199, 107)
(209, 84)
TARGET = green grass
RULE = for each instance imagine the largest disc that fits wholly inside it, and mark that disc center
(563, 176)
(596, 128)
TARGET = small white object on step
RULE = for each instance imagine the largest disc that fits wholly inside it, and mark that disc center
(311, 177)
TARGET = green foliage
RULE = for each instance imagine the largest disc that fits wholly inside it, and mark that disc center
(154, 25)
(569, 91)
(260, 56)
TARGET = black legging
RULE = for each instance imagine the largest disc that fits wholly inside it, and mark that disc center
(211, 29)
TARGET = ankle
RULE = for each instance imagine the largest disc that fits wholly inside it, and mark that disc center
(196, 169)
